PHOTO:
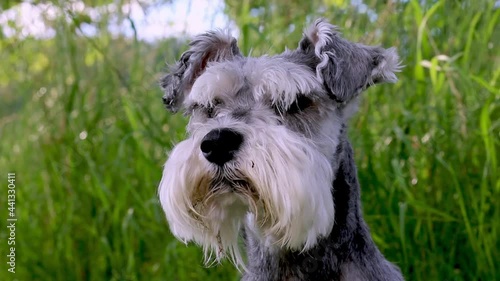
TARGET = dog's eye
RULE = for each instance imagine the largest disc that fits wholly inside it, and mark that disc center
(191, 109)
(300, 104)
(210, 111)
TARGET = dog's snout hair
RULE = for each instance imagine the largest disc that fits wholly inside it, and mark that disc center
(267, 157)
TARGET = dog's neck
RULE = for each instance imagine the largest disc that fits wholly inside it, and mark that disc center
(348, 253)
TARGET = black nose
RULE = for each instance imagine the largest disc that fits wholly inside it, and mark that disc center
(220, 145)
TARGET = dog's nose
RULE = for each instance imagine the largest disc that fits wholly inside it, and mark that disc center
(220, 145)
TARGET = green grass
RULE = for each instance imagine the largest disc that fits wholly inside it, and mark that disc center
(83, 128)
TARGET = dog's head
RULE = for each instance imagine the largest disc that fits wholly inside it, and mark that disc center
(262, 137)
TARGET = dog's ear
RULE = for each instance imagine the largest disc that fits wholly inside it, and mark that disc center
(209, 47)
(347, 68)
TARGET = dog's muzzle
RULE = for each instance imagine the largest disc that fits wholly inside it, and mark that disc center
(220, 145)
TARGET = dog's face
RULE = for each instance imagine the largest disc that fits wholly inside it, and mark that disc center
(262, 137)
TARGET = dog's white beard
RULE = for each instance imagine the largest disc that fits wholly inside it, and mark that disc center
(288, 192)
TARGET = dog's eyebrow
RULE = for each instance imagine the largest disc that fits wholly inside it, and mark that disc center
(282, 80)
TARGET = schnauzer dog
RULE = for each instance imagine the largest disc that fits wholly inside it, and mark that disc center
(267, 165)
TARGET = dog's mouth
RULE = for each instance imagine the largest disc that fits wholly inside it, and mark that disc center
(229, 184)
(232, 181)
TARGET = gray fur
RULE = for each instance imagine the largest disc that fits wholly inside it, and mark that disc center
(348, 254)
(309, 92)
(208, 47)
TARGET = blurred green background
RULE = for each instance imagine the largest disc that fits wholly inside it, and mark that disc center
(83, 127)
